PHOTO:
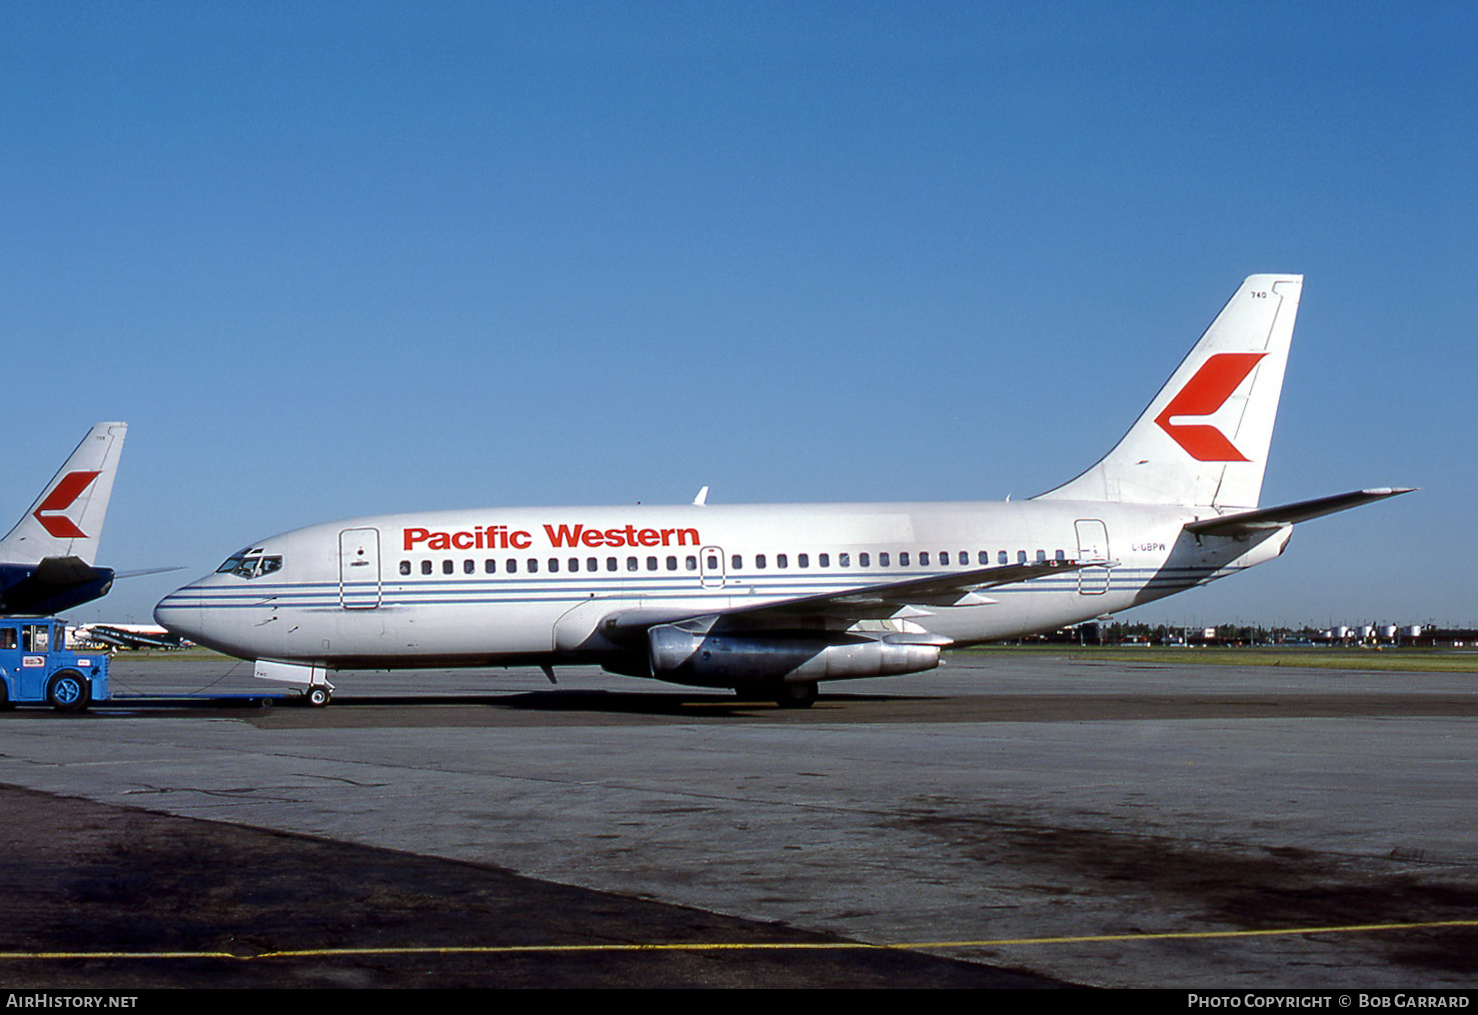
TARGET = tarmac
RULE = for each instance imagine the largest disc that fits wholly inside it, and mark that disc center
(1012, 819)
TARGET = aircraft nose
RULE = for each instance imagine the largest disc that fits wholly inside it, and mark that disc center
(179, 613)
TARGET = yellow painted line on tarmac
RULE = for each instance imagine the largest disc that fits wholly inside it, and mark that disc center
(1365, 928)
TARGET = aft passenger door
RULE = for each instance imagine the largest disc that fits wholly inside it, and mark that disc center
(1093, 544)
(359, 569)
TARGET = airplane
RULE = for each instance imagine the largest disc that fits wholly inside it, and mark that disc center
(46, 561)
(773, 599)
(125, 636)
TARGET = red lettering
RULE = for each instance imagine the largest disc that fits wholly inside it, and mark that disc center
(559, 536)
(564, 535)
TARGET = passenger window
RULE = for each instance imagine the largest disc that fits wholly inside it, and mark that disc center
(672, 563)
(447, 567)
(631, 563)
(923, 558)
(691, 562)
(883, 559)
(759, 561)
(864, 559)
(1001, 558)
(533, 565)
(405, 567)
(592, 563)
(651, 563)
(425, 567)
(964, 558)
(712, 564)
(490, 566)
(1059, 556)
(736, 562)
(1041, 556)
(7, 637)
(823, 560)
(1021, 556)
(844, 560)
(553, 565)
(574, 563)
(512, 565)
(984, 558)
(781, 560)
(469, 566)
(803, 560)
(903, 559)
(611, 564)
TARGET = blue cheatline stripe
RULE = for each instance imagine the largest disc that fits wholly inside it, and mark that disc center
(549, 589)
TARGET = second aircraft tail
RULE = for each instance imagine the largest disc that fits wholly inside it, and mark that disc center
(67, 519)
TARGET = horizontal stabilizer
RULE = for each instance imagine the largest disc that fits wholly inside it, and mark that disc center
(64, 571)
(1252, 522)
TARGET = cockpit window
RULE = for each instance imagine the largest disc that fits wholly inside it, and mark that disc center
(250, 564)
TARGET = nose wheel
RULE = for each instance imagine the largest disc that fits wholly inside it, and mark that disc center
(317, 696)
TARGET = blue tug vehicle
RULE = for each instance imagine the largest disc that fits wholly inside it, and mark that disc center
(37, 668)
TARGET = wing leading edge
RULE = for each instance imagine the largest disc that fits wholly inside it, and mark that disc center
(861, 602)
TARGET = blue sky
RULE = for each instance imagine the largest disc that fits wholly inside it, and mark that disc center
(336, 259)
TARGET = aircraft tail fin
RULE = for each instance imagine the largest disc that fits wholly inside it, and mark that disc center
(67, 519)
(1204, 438)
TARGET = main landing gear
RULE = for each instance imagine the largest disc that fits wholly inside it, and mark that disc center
(797, 695)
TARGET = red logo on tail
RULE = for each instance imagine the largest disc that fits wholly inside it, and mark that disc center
(1203, 395)
(61, 497)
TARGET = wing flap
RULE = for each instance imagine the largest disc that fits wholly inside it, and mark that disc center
(883, 599)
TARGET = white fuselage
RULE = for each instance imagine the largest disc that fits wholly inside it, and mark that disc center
(534, 585)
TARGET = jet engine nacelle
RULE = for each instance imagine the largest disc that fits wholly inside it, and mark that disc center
(730, 660)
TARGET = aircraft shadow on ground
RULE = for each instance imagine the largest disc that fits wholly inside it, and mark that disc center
(678, 703)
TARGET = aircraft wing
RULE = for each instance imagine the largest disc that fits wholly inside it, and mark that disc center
(1247, 523)
(884, 599)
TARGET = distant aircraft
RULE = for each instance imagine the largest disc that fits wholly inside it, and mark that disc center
(773, 599)
(126, 635)
(46, 562)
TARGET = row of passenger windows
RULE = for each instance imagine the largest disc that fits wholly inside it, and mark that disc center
(782, 561)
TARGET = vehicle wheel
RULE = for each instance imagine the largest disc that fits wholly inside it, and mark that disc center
(317, 696)
(68, 691)
(797, 696)
(5, 703)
